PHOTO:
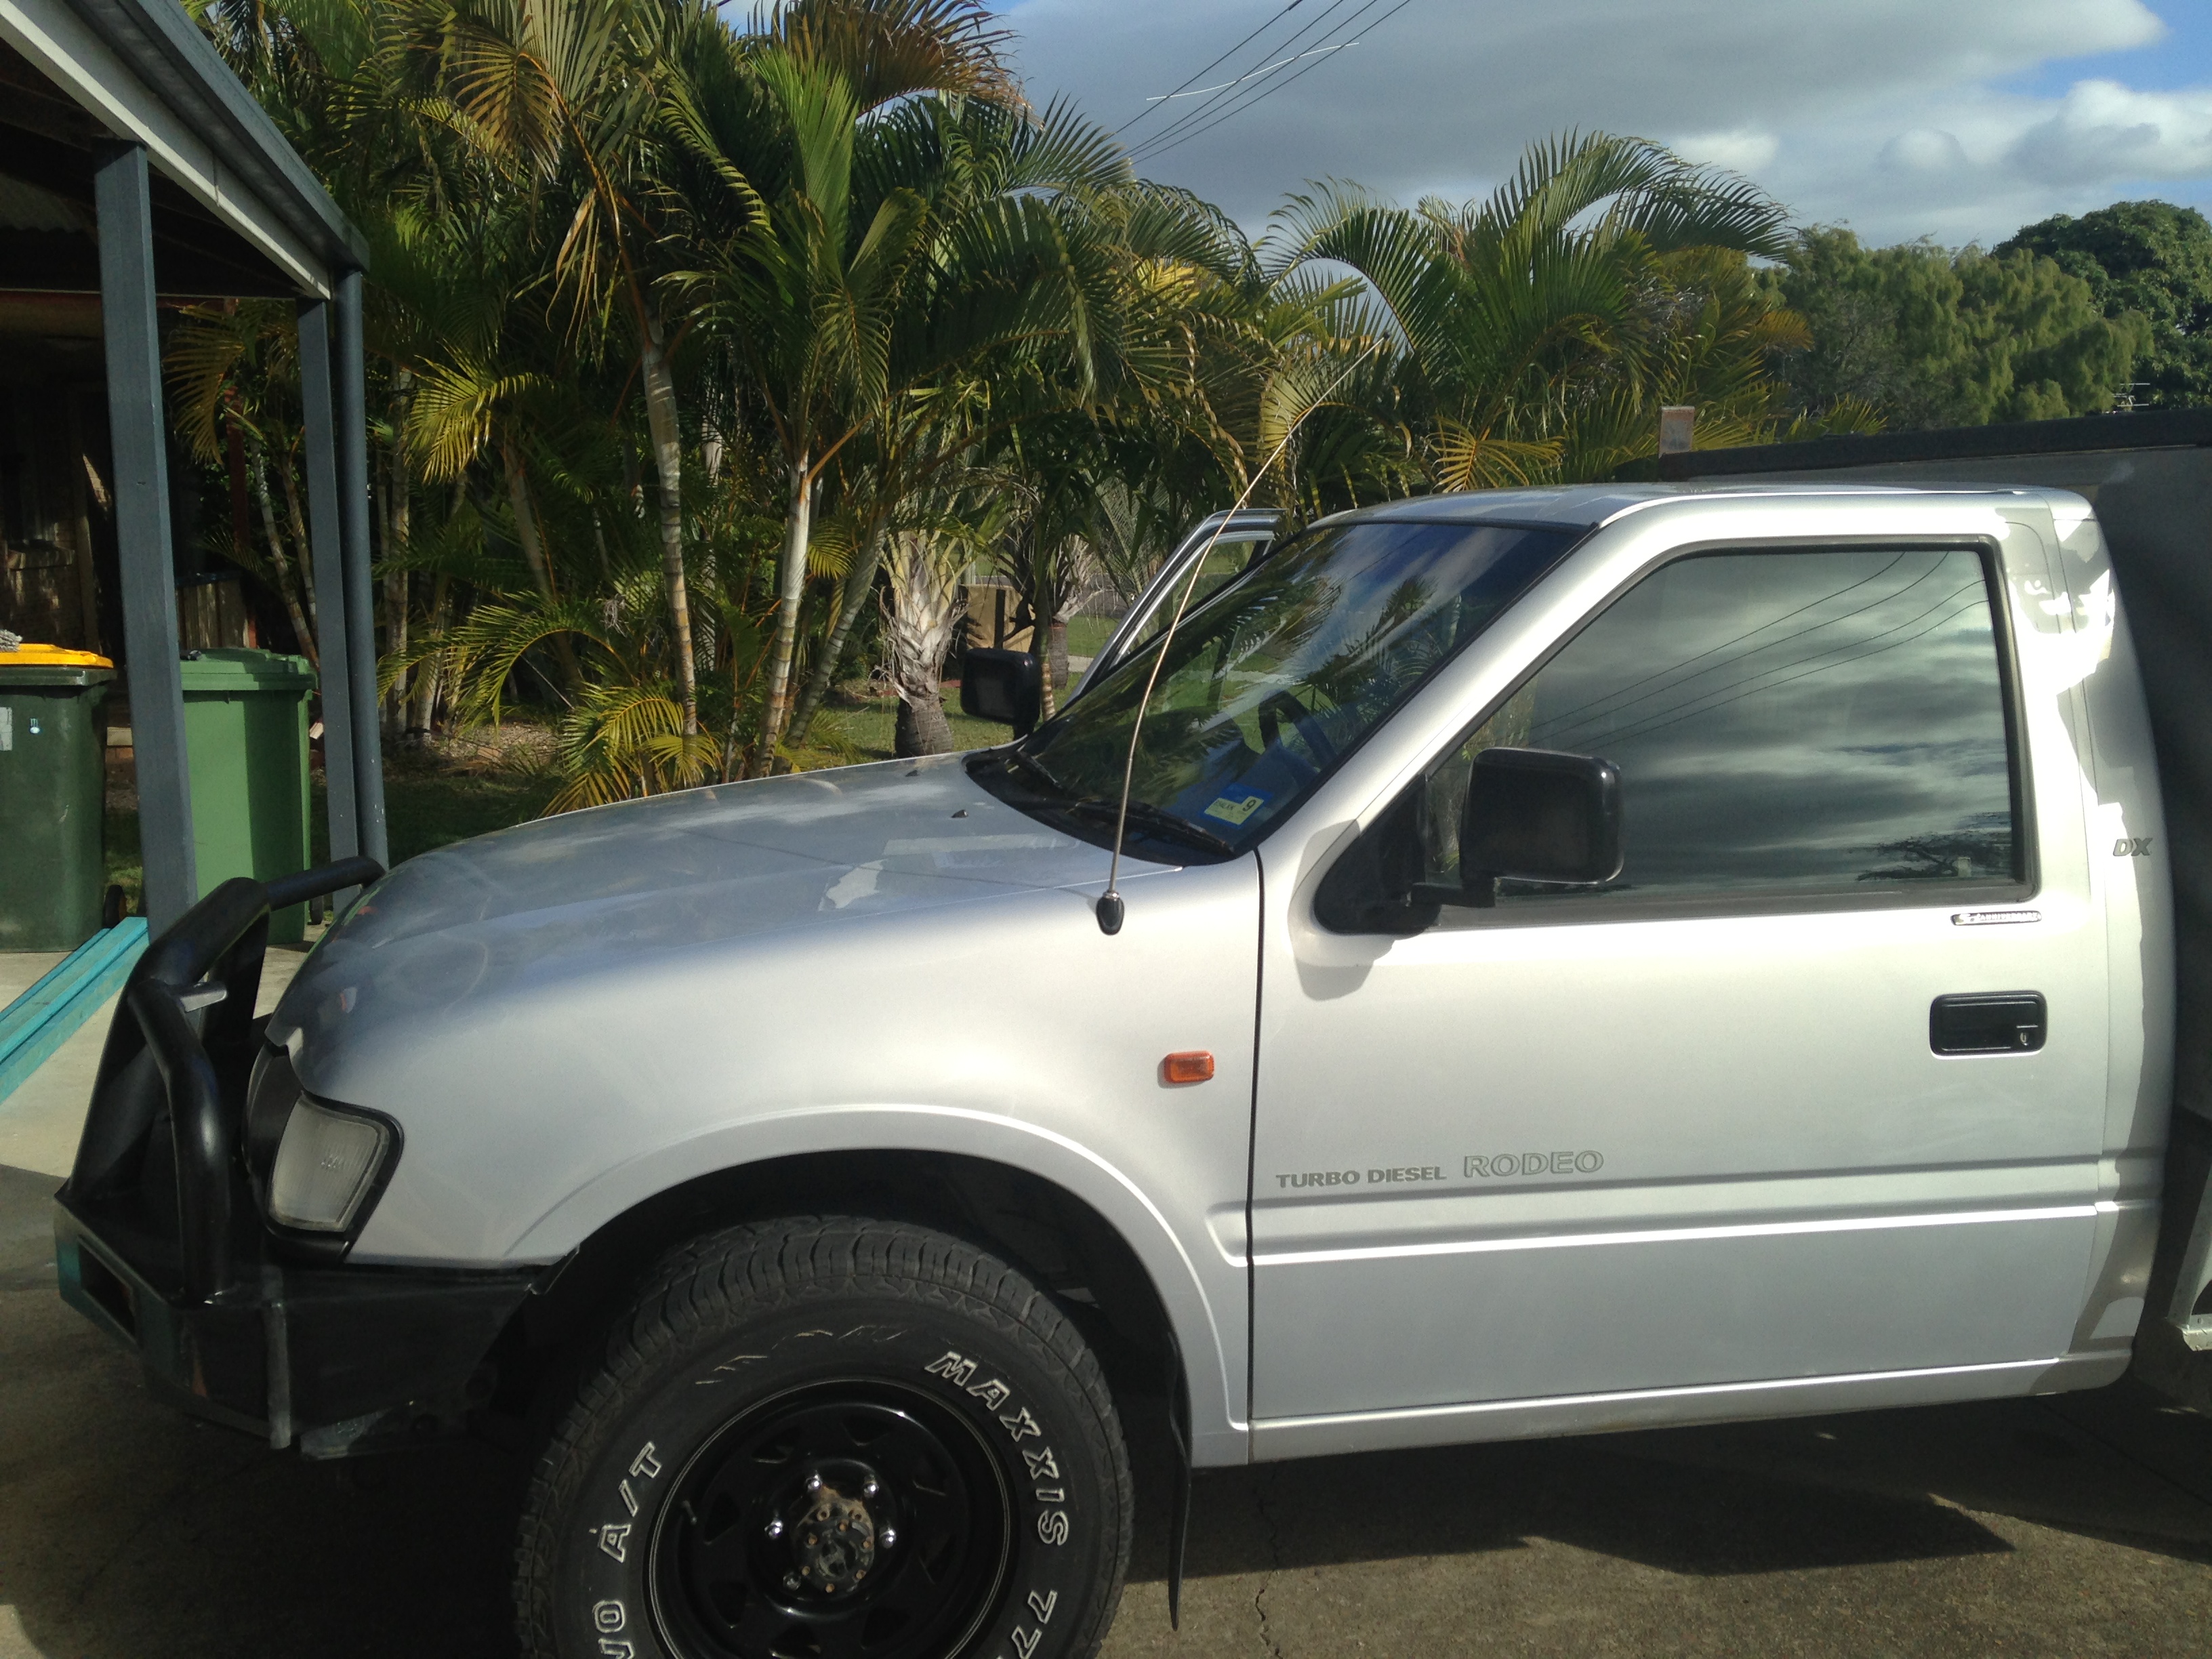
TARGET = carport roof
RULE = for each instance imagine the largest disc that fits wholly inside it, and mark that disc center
(140, 69)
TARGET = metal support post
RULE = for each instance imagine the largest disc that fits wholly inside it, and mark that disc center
(123, 198)
(320, 443)
(361, 613)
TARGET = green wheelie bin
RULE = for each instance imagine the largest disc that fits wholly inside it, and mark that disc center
(52, 790)
(245, 737)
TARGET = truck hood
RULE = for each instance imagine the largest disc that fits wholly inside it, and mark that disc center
(701, 871)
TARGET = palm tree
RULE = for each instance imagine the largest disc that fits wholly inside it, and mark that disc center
(810, 205)
(1017, 307)
(572, 93)
(1520, 319)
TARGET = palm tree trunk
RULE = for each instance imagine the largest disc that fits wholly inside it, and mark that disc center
(528, 531)
(668, 461)
(525, 521)
(396, 531)
(925, 608)
(285, 584)
(300, 540)
(1055, 660)
(427, 672)
(860, 583)
(797, 524)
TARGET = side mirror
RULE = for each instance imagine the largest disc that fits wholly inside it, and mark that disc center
(1535, 815)
(1004, 686)
(1530, 815)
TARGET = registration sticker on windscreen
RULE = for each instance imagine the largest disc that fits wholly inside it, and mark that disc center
(1237, 805)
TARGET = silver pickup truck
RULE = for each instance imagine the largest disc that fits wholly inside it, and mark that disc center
(1587, 959)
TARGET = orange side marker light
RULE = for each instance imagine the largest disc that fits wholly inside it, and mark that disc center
(1192, 1065)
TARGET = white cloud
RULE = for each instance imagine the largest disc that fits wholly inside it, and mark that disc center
(1890, 114)
(1925, 150)
(2103, 130)
(1745, 150)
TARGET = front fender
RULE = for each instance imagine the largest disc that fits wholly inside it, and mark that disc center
(1010, 1030)
(1202, 1313)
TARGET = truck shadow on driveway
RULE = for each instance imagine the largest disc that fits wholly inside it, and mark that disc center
(1465, 1500)
(1756, 1498)
(128, 1532)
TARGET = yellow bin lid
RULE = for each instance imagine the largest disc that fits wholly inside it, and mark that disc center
(51, 656)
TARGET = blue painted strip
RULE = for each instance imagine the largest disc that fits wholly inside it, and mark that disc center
(47, 1015)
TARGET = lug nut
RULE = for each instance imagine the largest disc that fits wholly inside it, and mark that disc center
(869, 1491)
(814, 1483)
(791, 1580)
(775, 1528)
(888, 1537)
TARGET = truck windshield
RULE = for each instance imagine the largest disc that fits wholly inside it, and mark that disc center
(1277, 676)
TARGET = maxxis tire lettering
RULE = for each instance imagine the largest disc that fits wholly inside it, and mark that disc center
(1053, 1526)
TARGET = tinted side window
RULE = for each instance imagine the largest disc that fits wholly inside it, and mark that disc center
(1785, 723)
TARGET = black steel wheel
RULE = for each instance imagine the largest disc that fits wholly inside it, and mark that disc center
(850, 1518)
(830, 1439)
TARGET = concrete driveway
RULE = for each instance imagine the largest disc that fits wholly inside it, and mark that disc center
(2073, 1527)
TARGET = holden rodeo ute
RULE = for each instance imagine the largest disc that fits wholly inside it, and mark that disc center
(1578, 959)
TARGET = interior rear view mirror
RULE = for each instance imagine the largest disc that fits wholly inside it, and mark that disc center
(1003, 686)
(1536, 815)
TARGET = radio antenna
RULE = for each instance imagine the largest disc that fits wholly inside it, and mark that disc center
(1111, 910)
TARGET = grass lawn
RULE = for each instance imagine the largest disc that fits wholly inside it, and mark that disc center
(849, 731)
(424, 806)
(429, 803)
(1087, 636)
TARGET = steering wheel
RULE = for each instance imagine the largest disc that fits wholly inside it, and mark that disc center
(1279, 705)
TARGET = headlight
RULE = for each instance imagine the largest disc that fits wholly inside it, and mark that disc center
(269, 1094)
(327, 1164)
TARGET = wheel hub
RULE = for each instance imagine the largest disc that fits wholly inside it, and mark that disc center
(834, 1539)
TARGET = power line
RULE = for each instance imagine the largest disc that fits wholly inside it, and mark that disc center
(1315, 25)
(1243, 101)
(1851, 651)
(1979, 602)
(1748, 634)
(1578, 719)
(1239, 46)
(1268, 68)
(1632, 723)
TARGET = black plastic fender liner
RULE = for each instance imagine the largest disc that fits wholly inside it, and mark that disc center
(2174, 1344)
(1178, 1383)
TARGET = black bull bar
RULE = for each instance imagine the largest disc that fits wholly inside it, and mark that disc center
(158, 1237)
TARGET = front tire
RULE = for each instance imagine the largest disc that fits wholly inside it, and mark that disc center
(830, 1439)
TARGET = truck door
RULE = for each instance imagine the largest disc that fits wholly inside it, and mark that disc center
(1813, 1090)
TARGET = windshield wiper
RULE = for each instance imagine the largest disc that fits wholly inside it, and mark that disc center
(1168, 826)
(1013, 759)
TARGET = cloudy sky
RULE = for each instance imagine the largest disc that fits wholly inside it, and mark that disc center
(1959, 119)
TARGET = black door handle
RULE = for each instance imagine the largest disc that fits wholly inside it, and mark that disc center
(1988, 1023)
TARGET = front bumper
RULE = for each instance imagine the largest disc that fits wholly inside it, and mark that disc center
(158, 1240)
(341, 1359)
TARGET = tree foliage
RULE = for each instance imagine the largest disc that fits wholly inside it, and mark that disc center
(2151, 258)
(1929, 336)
